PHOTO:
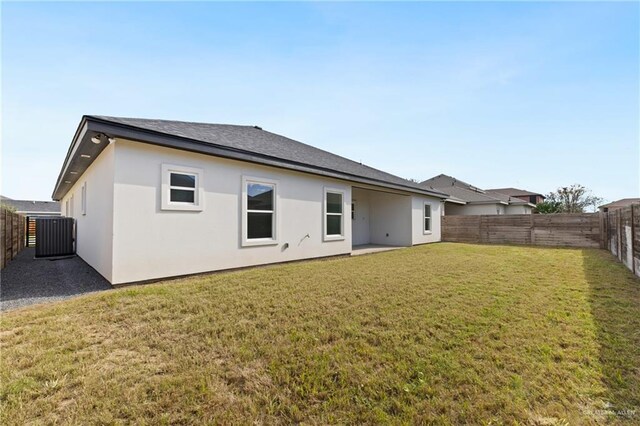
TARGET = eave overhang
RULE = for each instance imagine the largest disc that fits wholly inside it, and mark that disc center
(83, 152)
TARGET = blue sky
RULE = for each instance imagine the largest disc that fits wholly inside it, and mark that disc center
(531, 95)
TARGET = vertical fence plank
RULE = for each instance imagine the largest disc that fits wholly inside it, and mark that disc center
(2, 236)
(12, 235)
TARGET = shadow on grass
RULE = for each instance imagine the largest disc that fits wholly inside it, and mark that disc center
(614, 298)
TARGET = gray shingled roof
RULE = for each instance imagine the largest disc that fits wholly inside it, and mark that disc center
(445, 181)
(624, 202)
(30, 206)
(504, 197)
(514, 192)
(254, 140)
(468, 195)
(462, 190)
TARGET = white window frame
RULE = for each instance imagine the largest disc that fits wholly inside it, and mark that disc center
(325, 214)
(424, 217)
(71, 203)
(198, 196)
(249, 242)
(83, 194)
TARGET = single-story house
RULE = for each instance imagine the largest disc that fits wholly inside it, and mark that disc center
(623, 202)
(31, 207)
(467, 199)
(158, 198)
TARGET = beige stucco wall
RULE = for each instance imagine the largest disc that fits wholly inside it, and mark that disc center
(393, 219)
(152, 243)
(361, 221)
(474, 209)
(390, 219)
(127, 236)
(94, 230)
(518, 209)
(417, 217)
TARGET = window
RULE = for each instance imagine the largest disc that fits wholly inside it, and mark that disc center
(333, 214)
(259, 205)
(84, 199)
(181, 188)
(427, 218)
(66, 208)
(353, 210)
(71, 206)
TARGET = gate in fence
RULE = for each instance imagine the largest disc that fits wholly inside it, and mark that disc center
(30, 232)
(54, 236)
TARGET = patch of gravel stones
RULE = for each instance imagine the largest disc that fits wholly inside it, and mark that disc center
(27, 281)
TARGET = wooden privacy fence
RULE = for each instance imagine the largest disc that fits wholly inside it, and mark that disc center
(12, 235)
(621, 235)
(570, 230)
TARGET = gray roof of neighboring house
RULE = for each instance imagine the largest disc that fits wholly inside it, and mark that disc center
(445, 181)
(245, 143)
(470, 196)
(514, 192)
(623, 202)
(504, 197)
(30, 206)
(461, 190)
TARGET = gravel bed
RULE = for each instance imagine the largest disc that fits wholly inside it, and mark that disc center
(26, 281)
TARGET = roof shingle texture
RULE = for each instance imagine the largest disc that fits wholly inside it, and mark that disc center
(33, 206)
(514, 192)
(467, 194)
(257, 141)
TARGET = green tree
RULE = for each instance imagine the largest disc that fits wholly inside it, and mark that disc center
(548, 207)
(571, 199)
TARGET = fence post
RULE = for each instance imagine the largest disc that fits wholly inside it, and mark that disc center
(633, 237)
(533, 229)
(619, 229)
(602, 229)
(3, 227)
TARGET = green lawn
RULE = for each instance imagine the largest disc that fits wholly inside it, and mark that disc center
(443, 333)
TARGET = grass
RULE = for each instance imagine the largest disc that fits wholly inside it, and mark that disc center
(444, 333)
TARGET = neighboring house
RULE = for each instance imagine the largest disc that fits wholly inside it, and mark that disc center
(624, 202)
(157, 198)
(528, 196)
(467, 199)
(33, 208)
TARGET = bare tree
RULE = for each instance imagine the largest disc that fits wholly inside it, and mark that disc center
(574, 199)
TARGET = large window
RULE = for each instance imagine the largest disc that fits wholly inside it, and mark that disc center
(259, 211)
(427, 218)
(333, 214)
(181, 188)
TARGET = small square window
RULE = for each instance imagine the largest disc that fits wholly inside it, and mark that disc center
(181, 188)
